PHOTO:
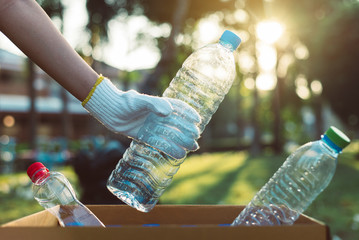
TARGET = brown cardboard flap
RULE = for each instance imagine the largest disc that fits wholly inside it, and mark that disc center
(167, 214)
(40, 219)
(166, 232)
(175, 214)
(175, 222)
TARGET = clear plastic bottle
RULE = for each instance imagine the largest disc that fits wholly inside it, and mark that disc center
(54, 192)
(204, 79)
(301, 178)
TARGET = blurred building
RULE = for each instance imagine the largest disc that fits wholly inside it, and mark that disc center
(52, 103)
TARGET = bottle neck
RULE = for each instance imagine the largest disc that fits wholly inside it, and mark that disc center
(40, 175)
(330, 144)
(227, 45)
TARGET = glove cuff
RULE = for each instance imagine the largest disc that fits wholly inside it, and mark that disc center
(101, 101)
(98, 81)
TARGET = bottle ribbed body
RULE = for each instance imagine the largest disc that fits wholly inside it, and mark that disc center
(204, 80)
(144, 172)
(302, 177)
(55, 194)
(142, 175)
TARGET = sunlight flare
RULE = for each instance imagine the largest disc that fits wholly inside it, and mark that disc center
(266, 81)
(269, 31)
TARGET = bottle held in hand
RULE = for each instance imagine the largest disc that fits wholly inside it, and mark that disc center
(148, 165)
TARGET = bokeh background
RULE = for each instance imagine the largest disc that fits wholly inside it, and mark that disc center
(297, 74)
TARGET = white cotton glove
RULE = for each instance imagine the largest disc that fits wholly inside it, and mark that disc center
(174, 134)
(126, 112)
(123, 112)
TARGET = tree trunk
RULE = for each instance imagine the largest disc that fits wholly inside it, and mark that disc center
(150, 83)
(65, 115)
(318, 107)
(239, 118)
(277, 124)
(255, 147)
(32, 113)
(65, 118)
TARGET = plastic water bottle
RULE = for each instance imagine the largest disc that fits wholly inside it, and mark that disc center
(301, 178)
(54, 192)
(144, 172)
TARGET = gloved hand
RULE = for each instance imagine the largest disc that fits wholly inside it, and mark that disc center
(174, 134)
(126, 112)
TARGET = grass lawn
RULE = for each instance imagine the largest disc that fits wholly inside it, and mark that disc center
(223, 178)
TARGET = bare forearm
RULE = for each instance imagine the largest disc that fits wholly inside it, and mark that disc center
(27, 26)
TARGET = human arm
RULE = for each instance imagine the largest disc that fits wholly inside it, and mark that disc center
(26, 24)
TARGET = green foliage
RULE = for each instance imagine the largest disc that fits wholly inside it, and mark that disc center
(302, 18)
(220, 124)
(100, 13)
(54, 8)
(155, 11)
(336, 62)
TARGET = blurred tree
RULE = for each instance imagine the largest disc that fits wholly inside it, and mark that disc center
(303, 24)
(335, 55)
(255, 147)
(318, 25)
(176, 13)
(321, 26)
(100, 13)
(33, 118)
(55, 10)
(150, 83)
(252, 13)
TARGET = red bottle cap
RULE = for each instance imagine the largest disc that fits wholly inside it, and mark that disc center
(34, 171)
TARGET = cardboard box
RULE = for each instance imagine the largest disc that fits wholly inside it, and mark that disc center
(163, 222)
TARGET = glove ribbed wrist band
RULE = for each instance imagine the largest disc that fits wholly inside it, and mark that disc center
(101, 100)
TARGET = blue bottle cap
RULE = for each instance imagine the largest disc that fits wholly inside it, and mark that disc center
(231, 38)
